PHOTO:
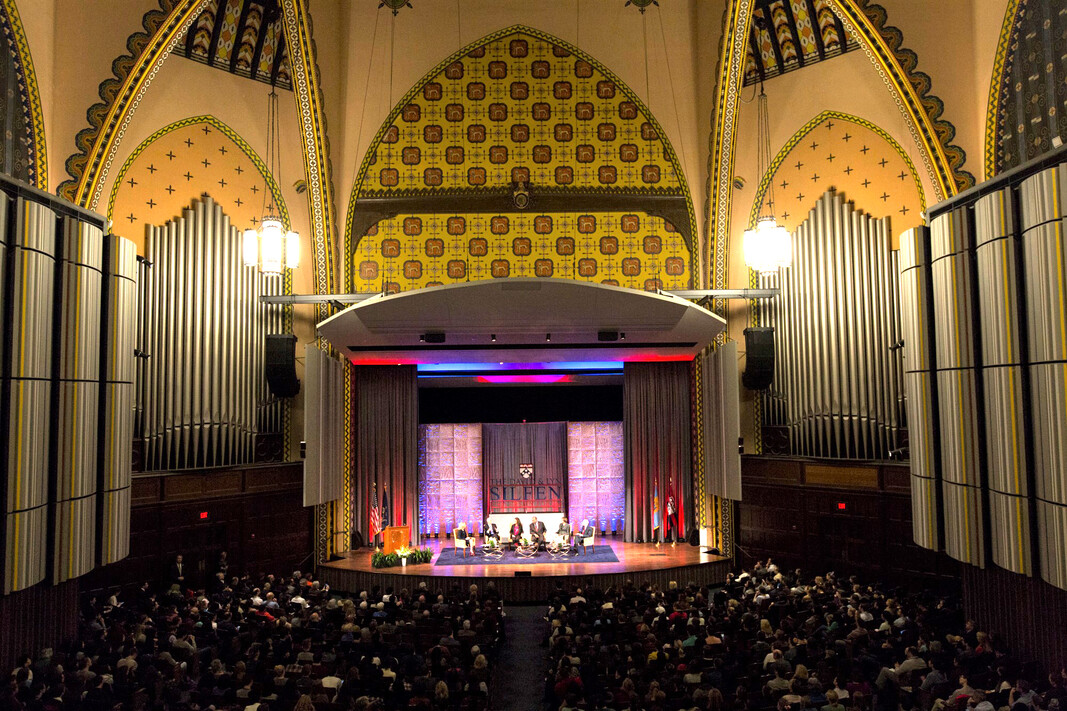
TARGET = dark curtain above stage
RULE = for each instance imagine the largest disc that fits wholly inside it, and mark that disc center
(656, 425)
(506, 446)
(386, 426)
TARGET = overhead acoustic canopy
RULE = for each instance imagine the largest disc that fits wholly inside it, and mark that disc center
(521, 320)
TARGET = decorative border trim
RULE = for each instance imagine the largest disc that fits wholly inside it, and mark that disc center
(911, 89)
(275, 191)
(308, 92)
(668, 148)
(804, 130)
(732, 49)
(29, 95)
(121, 95)
(996, 81)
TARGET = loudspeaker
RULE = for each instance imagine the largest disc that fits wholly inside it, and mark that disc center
(357, 541)
(759, 357)
(694, 537)
(281, 365)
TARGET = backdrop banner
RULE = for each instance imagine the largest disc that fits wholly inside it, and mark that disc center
(525, 467)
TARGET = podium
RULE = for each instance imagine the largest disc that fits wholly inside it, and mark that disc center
(395, 537)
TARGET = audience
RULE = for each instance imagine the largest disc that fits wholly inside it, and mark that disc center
(281, 643)
(771, 640)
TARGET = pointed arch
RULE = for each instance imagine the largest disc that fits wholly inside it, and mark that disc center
(420, 168)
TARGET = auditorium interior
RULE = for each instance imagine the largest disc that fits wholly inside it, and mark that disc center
(757, 307)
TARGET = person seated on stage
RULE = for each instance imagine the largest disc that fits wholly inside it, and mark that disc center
(537, 532)
(586, 531)
(564, 530)
(461, 534)
(516, 531)
(491, 532)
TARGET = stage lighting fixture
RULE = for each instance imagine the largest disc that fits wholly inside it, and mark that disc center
(432, 337)
(492, 337)
(607, 335)
(548, 337)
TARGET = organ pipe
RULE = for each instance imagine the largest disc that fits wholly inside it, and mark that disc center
(1044, 221)
(837, 384)
(951, 250)
(916, 316)
(205, 393)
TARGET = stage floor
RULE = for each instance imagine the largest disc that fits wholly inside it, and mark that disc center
(533, 582)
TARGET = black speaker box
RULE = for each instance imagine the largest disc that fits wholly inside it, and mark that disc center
(281, 365)
(759, 358)
(694, 537)
(522, 573)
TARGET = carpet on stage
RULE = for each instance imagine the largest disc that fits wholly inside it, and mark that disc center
(596, 554)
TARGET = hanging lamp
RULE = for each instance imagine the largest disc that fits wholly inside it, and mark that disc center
(767, 246)
(271, 248)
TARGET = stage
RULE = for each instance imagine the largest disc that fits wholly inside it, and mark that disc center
(524, 581)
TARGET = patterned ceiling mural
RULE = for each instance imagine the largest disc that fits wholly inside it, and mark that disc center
(243, 37)
(1029, 108)
(180, 162)
(622, 249)
(519, 107)
(22, 145)
(792, 34)
(854, 156)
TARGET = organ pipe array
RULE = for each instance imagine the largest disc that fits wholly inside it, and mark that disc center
(60, 317)
(838, 385)
(993, 446)
(204, 392)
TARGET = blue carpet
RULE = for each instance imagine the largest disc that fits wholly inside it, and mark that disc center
(596, 554)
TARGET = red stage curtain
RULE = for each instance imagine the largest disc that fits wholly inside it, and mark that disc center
(656, 416)
(386, 430)
(506, 446)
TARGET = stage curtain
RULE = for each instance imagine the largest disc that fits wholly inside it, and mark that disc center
(386, 427)
(657, 445)
(506, 446)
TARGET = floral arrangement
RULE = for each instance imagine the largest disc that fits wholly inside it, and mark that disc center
(390, 560)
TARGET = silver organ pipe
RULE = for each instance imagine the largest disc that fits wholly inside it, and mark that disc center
(1004, 408)
(205, 392)
(31, 243)
(951, 249)
(916, 314)
(837, 386)
(1044, 223)
(78, 382)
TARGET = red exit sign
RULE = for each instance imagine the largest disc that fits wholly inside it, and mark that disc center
(841, 506)
(203, 515)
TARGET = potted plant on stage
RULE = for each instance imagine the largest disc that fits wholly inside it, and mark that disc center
(403, 552)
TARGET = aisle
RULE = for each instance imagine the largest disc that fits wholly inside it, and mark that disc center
(519, 677)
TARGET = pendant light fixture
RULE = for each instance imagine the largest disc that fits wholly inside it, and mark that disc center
(271, 249)
(767, 246)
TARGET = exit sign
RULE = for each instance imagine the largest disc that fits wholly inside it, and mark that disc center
(203, 515)
(841, 506)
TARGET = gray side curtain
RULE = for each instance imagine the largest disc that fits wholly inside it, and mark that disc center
(656, 424)
(386, 426)
(506, 446)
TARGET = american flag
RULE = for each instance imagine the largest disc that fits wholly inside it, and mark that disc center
(375, 513)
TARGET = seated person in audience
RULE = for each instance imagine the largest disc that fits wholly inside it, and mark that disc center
(516, 531)
(537, 532)
(584, 533)
(461, 534)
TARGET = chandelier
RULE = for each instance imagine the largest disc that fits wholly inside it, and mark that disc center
(766, 247)
(271, 248)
